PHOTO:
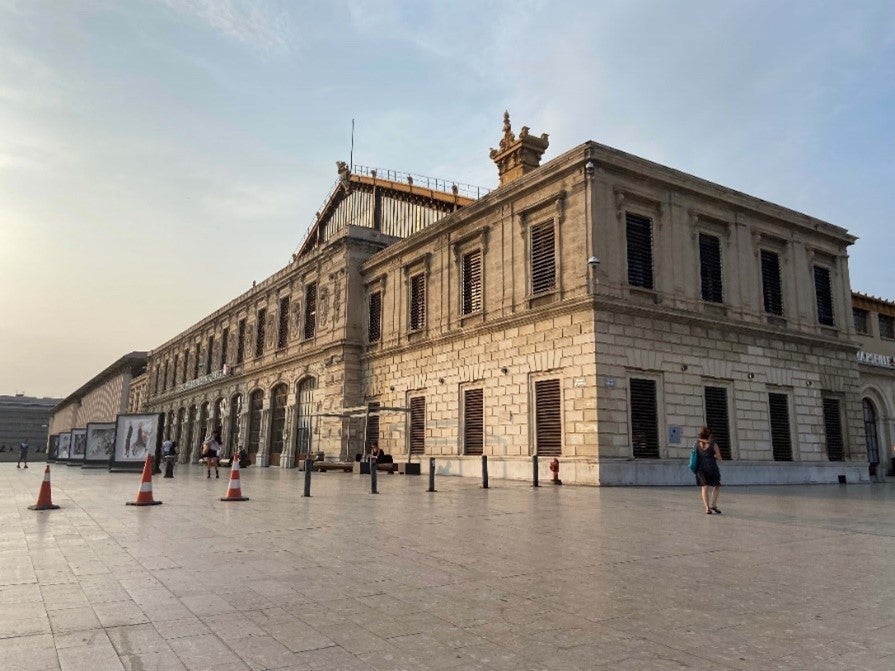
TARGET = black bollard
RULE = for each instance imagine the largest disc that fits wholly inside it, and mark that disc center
(534, 468)
(431, 474)
(373, 476)
(484, 471)
(309, 466)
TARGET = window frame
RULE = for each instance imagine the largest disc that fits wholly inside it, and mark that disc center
(656, 380)
(860, 314)
(890, 320)
(536, 263)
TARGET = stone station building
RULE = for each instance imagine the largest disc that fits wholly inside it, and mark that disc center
(598, 308)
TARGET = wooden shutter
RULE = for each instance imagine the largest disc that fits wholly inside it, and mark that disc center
(283, 325)
(644, 419)
(770, 283)
(196, 360)
(259, 332)
(640, 251)
(548, 418)
(543, 258)
(374, 332)
(310, 310)
(716, 418)
(225, 342)
(241, 342)
(710, 268)
(418, 425)
(833, 429)
(417, 302)
(824, 292)
(472, 282)
(372, 431)
(781, 443)
(473, 421)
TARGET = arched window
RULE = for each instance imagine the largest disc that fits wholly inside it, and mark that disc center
(256, 405)
(277, 422)
(870, 433)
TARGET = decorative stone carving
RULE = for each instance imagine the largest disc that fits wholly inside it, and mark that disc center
(518, 156)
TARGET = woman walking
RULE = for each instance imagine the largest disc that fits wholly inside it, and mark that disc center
(211, 449)
(707, 473)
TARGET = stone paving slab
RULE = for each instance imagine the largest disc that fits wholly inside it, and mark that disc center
(506, 578)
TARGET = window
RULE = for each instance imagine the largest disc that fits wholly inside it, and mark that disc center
(374, 329)
(371, 437)
(418, 425)
(887, 327)
(209, 355)
(824, 292)
(861, 319)
(176, 370)
(716, 418)
(417, 302)
(870, 432)
(543, 259)
(196, 357)
(241, 341)
(310, 310)
(283, 327)
(710, 268)
(770, 283)
(259, 332)
(256, 408)
(548, 418)
(186, 358)
(473, 421)
(472, 282)
(833, 428)
(640, 251)
(165, 377)
(225, 341)
(644, 419)
(781, 442)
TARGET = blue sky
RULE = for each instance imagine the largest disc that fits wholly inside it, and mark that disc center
(156, 156)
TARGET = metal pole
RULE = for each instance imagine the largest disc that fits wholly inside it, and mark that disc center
(309, 466)
(534, 468)
(484, 471)
(373, 476)
(431, 474)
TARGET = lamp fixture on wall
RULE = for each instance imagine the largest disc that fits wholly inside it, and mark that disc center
(504, 370)
(751, 376)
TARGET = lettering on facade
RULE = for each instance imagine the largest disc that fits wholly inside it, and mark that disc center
(205, 379)
(873, 359)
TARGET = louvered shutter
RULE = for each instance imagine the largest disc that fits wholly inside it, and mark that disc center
(781, 443)
(372, 434)
(543, 258)
(548, 418)
(833, 429)
(710, 268)
(417, 302)
(374, 330)
(259, 332)
(472, 282)
(418, 425)
(283, 326)
(716, 418)
(310, 310)
(770, 283)
(644, 419)
(640, 251)
(473, 424)
(824, 292)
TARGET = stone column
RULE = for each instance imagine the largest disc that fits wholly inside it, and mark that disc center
(287, 459)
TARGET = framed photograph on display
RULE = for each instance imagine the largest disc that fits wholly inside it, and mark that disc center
(78, 447)
(52, 448)
(62, 454)
(135, 437)
(100, 444)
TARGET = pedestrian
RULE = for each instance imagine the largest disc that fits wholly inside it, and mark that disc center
(211, 448)
(169, 454)
(23, 454)
(708, 474)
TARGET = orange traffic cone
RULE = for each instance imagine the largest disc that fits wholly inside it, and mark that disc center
(144, 496)
(45, 497)
(234, 491)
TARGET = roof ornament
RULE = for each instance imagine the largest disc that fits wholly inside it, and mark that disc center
(517, 156)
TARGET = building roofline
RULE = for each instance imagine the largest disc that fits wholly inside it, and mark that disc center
(131, 362)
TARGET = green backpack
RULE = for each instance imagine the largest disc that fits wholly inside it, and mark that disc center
(694, 458)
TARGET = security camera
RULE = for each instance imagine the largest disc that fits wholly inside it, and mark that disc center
(589, 168)
(593, 262)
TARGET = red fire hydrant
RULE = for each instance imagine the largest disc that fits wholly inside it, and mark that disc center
(554, 468)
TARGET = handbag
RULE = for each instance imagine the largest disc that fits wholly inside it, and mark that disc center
(694, 459)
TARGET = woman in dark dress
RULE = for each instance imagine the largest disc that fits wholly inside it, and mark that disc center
(707, 473)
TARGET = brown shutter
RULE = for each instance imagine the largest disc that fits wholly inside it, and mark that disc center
(710, 268)
(833, 429)
(640, 251)
(548, 418)
(418, 425)
(310, 310)
(283, 325)
(374, 332)
(543, 258)
(472, 282)
(781, 443)
(716, 418)
(417, 302)
(770, 283)
(644, 419)
(824, 293)
(473, 421)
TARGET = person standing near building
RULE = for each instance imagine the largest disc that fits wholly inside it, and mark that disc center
(211, 448)
(708, 475)
(23, 454)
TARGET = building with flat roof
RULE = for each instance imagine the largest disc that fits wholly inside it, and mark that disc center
(24, 419)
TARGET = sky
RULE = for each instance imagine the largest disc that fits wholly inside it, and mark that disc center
(157, 156)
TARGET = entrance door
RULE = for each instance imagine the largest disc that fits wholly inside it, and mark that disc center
(277, 423)
(303, 418)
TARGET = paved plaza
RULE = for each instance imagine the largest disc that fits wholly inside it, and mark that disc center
(465, 578)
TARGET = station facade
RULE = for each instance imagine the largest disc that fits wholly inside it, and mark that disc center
(599, 309)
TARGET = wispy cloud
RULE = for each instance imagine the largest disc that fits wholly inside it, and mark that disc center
(259, 25)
